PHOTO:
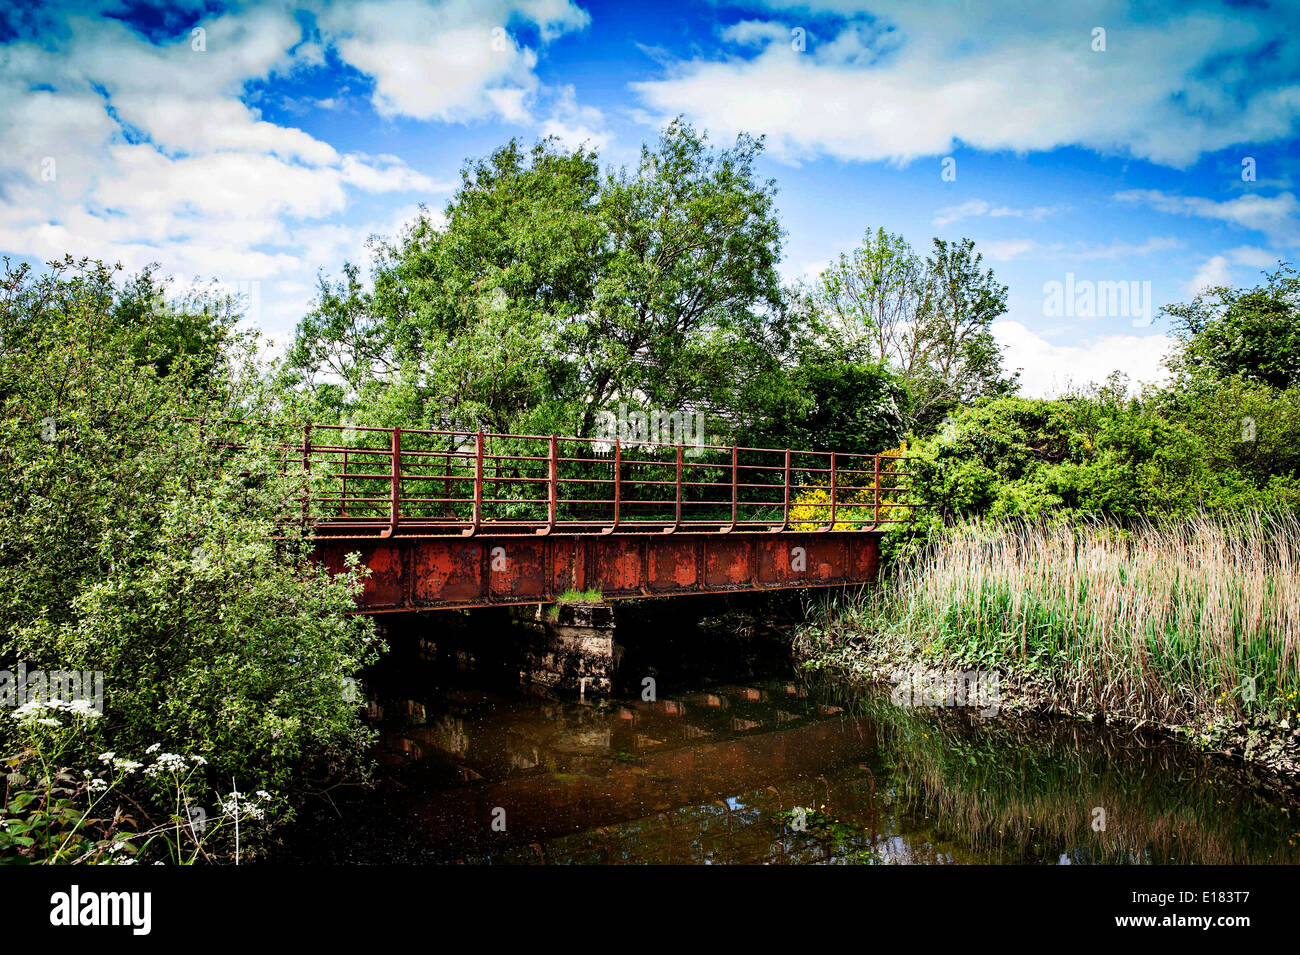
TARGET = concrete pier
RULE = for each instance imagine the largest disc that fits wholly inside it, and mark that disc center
(572, 648)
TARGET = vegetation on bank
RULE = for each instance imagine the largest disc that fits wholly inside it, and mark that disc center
(134, 545)
(1191, 624)
(1221, 435)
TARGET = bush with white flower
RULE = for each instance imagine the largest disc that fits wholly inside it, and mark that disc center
(51, 815)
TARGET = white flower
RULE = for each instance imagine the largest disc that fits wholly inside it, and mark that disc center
(30, 709)
(107, 757)
(153, 749)
(170, 762)
(200, 760)
(98, 786)
(85, 709)
(47, 721)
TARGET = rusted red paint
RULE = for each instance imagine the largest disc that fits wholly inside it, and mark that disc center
(442, 573)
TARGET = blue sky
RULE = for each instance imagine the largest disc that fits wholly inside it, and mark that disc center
(256, 143)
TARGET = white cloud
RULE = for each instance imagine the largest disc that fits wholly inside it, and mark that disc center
(140, 151)
(1256, 257)
(1004, 250)
(1212, 274)
(1048, 370)
(912, 79)
(576, 125)
(392, 176)
(1216, 271)
(452, 61)
(1278, 217)
(979, 207)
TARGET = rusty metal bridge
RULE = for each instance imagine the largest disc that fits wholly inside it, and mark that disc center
(453, 519)
(461, 519)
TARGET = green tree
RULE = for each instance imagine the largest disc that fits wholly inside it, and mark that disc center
(145, 546)
(1254, 333)
(929, 319)
(465, 318)
(690, 294)
(552, 292)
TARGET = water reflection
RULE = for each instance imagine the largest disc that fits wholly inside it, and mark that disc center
(781, 772)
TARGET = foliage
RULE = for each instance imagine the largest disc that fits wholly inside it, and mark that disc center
(1103, 454)
(1253, 333)
(1158, 622)
(52, 815)
(145, 547)
(930, 320)
(553, 292)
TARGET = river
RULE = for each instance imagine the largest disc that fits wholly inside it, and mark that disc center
(739, 758)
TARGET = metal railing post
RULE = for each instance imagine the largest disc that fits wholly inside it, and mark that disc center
(618, 484)
(478, 481)
(394, 483)
(876, 522)
(306, 471)
(735, 504)
(834, 487)
(785, 506)
(677, 512)
(343, 487)
(553, 486)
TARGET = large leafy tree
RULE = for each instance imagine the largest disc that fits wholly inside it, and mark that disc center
(465, 316)
(551, 291)
(689, 296)
(1253, 333)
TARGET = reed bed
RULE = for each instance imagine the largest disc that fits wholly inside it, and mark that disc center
(1163, 621)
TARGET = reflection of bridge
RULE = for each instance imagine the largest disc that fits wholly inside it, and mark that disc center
(634, 763)
(446, 519)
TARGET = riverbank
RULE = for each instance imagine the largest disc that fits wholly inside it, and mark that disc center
(1191, 628)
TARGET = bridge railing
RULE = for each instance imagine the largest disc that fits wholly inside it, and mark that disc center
(377, 482)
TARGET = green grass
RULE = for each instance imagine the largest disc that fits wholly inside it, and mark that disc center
(580, 597)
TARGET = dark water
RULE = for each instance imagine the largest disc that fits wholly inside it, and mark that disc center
(761, 766)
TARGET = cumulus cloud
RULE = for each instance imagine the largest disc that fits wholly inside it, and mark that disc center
(1049, 369)
(1213, 273)
(450, 61)
(143, 148)
(901, 79)
(574, 125)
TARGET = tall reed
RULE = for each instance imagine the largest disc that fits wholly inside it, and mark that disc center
(1161, 621)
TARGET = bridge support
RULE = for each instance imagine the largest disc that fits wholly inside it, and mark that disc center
(573, 648)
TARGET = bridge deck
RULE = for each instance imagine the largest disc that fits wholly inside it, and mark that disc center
(448, 518)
